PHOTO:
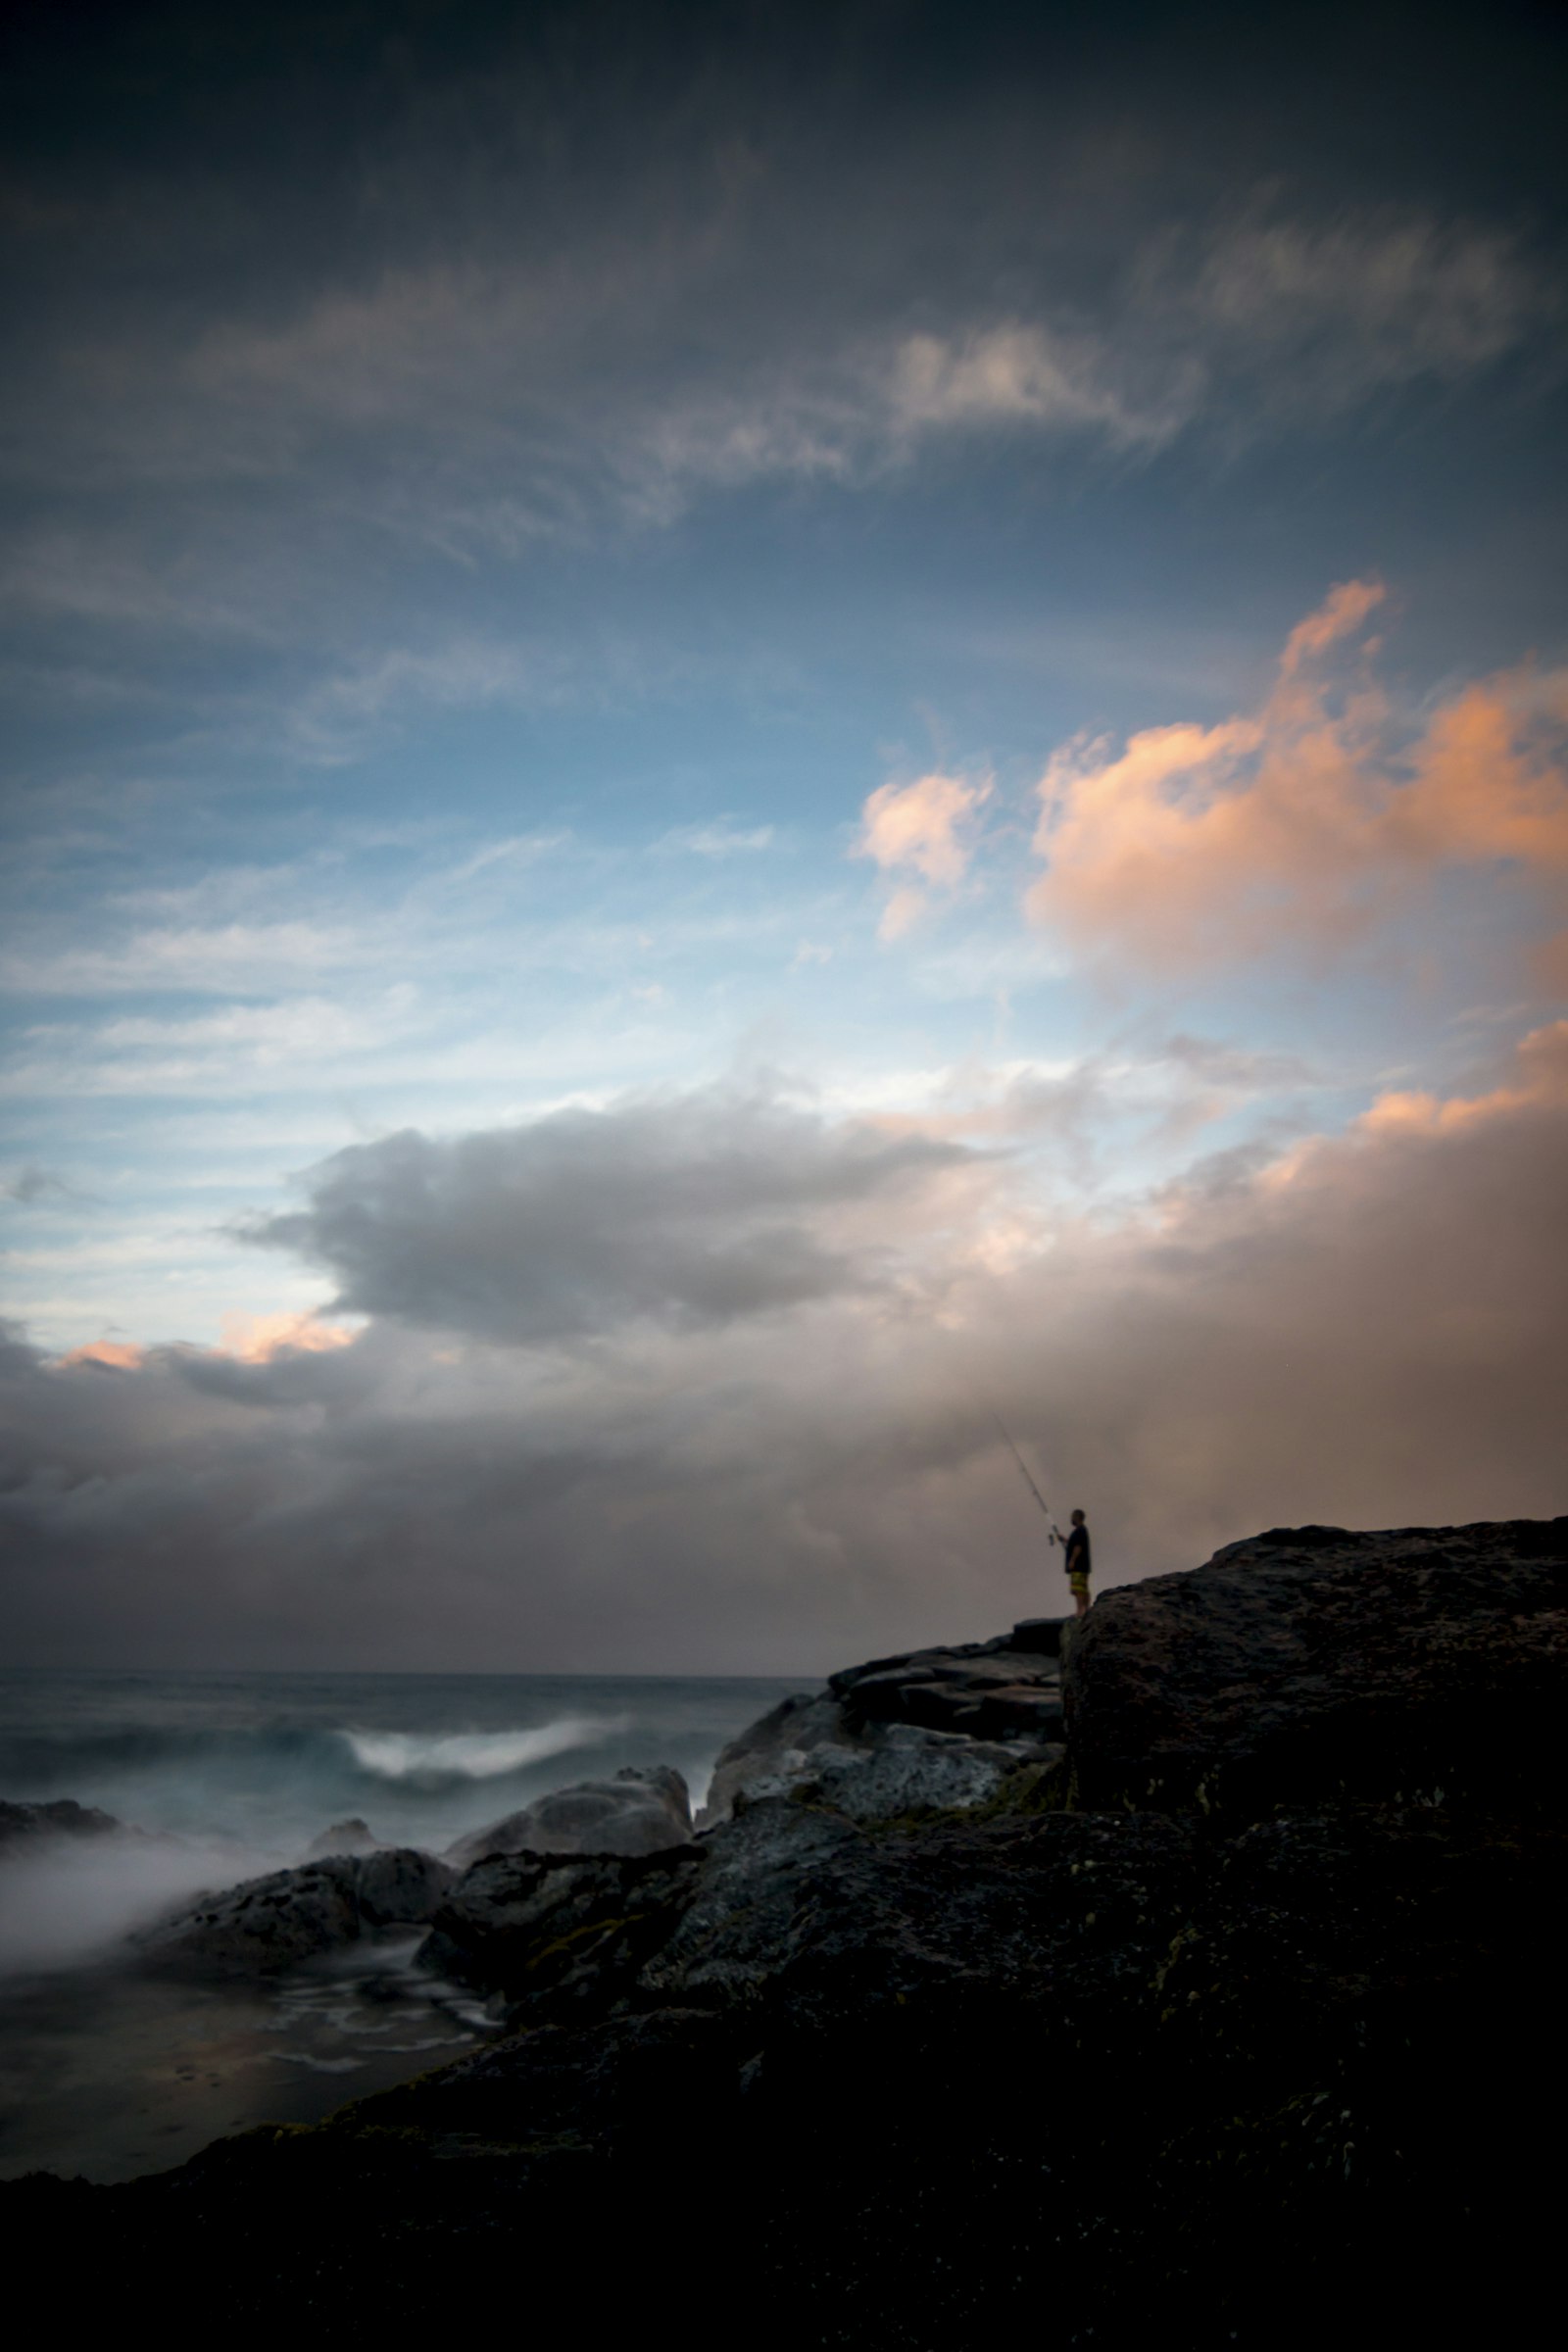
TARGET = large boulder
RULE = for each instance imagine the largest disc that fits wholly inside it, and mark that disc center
(562, 1930)
(1311, 1663)
(275, 1922)
(641, 1810)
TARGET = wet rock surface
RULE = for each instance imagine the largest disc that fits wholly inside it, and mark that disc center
(274, 1922)
(640, 1810)
(1232, 2027)
(932, 1729)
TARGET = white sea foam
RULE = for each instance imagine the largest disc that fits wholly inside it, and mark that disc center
(476, 1755)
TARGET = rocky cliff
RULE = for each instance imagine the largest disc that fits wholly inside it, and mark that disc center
(1198, 1987)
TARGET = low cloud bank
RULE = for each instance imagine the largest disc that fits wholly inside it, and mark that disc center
(716, 1467)
(702, 1209)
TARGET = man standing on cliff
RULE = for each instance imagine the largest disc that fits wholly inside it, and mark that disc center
(1076, 1542)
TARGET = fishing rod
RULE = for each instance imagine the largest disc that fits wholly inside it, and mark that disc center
(1023, 1467)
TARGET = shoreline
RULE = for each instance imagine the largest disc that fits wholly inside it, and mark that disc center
(1174, 2005)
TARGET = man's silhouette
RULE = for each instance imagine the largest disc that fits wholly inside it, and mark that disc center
(1076, 1542)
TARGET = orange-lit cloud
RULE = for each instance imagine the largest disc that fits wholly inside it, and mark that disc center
(1196, 844)
(925, 828)
(1341, 612)
(257, 1339)
(1542, 1082)
(114, 1355)
(246, 1340)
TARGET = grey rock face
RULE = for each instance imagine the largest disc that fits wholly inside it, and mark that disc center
(905, 1769)
(934, 1729)
(274, 1922)
(1310, 1663)
(776, 1752)
(640, 1811)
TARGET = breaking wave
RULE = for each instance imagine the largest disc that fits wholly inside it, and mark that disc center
(446, 1757)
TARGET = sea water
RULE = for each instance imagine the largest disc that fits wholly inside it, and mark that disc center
(108, 2073)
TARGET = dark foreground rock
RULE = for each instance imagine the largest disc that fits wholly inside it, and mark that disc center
(1312, 1662)
(1188, 2059)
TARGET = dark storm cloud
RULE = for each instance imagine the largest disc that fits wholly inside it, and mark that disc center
(1367, 1331)
(289, 295)
(701, 1210)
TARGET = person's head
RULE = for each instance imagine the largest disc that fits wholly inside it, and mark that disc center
(1078, 1519)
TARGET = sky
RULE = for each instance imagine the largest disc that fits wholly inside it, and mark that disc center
(739, 740)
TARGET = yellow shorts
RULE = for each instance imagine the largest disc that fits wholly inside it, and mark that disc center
(1079, 1583)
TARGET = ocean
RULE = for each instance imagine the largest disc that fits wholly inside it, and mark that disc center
(108, 2073)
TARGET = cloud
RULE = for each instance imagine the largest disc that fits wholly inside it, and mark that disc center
(1018, 375)
(31, 1185)
(211, 959)
(724, 839)
(1306, 823)
(925, 828)
(259, 1338)
(595, 345)
(112, 1356)
(1326, 312)
(1365, 1329)
(695, 1210)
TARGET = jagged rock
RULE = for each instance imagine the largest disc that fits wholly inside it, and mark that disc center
(775, 1752)
(24, 1825)
(988, 1689)
(350, 1836)
(900, 1727)
(641, 1810)
(271, 1923)
(577, 1931)
(1309, 1662)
